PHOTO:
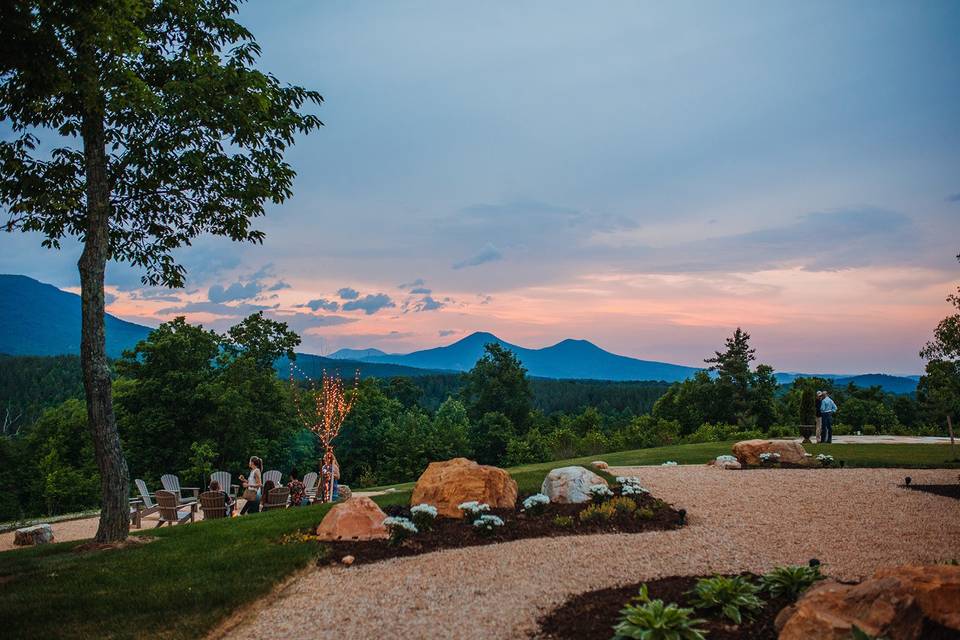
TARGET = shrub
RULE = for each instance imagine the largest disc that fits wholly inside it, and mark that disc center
(646, 513)
(790, 581)
(648, 619)
(630, 486)
(563, 521)
(473, 509)
(599, 493)
(597, 513)
(400, 529)
(808, 406)
(423, 516)
(729, 595)
(622, 506)
(825, 459)
(726, 458)
(769, 458)
(485, 524)
(669, 463)
(536, 504)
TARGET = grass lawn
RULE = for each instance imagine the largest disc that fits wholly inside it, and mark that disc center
(192, 577)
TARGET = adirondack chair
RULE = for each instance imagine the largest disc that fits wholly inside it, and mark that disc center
(274, 475)
(142, 506)
(170, 511)
(276, 499)
(171, 483)
(310, 484)
(214, 506)
(224, 479)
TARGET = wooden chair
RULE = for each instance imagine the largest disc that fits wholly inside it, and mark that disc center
(310, 484)
(276, 499)
(171, 483)
(224, 479)
(274, 475)
(142, 506)
(170, 512)
(214, 506)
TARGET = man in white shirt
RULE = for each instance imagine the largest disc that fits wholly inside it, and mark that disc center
(827, 409)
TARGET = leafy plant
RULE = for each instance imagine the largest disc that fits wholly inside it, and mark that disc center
(622, 506)
(400, 529)
(487, 523)
(423, 516)
(808, 406)
(790, 581)
(646, 619)
(473, 509)
(728, 594)
(600, 493)
(644, 513)
(536, 504)
(859, 634)
(597, 513)
(563, 521)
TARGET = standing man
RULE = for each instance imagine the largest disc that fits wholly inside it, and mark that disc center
(827, 408)
(819, 415)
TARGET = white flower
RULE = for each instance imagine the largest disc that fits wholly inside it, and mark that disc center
(624, 480)
(535, 500)
(768, 456)
(599, 491)
(400, 523)
(488, 522)
(669, 463)
(424, 509)
(473, 508)
(632, 490)
(825, 457)
(726, 458)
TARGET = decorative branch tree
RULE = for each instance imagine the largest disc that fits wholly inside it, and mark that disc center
(157, 128)
(330, 410)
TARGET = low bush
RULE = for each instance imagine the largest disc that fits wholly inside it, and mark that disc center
(473, 509)
(599, 493)
(487, 523)
(536, 504)
(400, 529)
(645, 513)
(647, 619)
(564, 522)
(622, 506)
(790, 581)
(597, 513)
(423, 516)
(727, 594)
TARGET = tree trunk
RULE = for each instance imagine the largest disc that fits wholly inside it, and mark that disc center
(953, 449)
(114, 477)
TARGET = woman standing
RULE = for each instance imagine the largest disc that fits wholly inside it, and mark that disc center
(252, 486)
(330, 470)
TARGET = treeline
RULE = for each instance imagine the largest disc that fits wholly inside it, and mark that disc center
(30, 384)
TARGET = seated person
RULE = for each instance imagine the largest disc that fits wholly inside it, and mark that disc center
(298, 492)
(227, 500)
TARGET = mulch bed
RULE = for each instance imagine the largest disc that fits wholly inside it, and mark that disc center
(451, 533)
(592, 615)
(945, 490)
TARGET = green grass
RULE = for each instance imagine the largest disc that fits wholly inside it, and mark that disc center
(192, 577)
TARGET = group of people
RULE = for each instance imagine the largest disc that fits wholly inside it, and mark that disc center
(826, 408)
(255, 489)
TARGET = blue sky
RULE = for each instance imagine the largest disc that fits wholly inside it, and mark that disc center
(644, 175)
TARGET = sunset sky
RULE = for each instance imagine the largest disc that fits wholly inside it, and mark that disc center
(647, 176)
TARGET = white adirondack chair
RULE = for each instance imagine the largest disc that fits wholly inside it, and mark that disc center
(274, 475)
(310, 484)
(224, 479)
(171, 483)
(142, 506)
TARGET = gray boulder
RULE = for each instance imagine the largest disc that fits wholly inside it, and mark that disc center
(37, 534)
(570, 484)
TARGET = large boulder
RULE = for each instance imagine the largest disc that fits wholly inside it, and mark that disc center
(897, 602)
(353, 519)
(452, 482)
(37, 534)
(748, 451)
(570, 484)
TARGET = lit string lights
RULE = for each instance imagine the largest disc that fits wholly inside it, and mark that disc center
(331, 408)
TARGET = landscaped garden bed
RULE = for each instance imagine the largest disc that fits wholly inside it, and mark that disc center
(945, 490)
(613, 513)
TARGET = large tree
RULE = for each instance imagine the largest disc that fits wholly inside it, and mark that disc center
(138, 125)
(498, 384)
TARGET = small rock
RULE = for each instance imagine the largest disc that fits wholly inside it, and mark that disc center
(345, 492)
(37, 534)
(600, 464)
(569, 485)
(347, 560)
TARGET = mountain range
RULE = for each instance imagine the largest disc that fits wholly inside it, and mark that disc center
(40, 319)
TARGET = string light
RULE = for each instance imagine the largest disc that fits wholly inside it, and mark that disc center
(331, 408)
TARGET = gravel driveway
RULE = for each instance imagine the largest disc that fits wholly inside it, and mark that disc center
(853, 520)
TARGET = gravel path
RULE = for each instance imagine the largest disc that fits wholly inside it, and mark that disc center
(749, 520)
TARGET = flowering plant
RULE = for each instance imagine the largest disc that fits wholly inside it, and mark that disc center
(726, 458)
(423, 515)
(536, 504)
(768, 457)
(599, 492)
(400, 528)
(669, 463)
(630, 486)
(487, 523)
(825, 459)
(473, 509)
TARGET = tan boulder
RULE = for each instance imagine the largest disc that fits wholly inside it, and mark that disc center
(600, 464)
(353, 519)
(748, 451)
(570, 485)
(452, 482)
(893, 603)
